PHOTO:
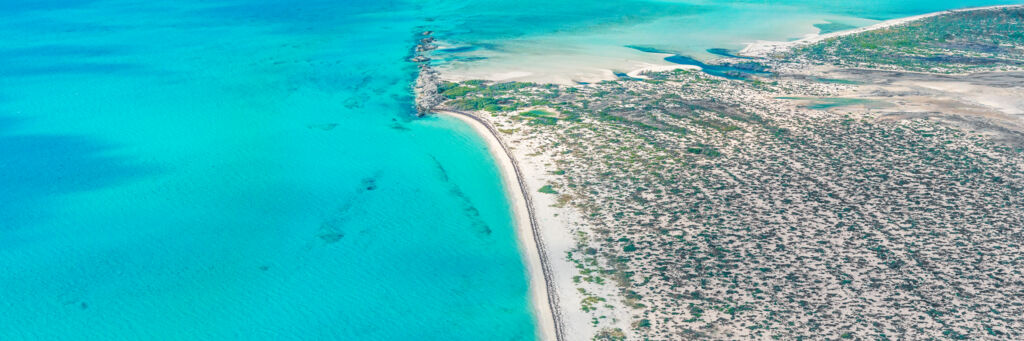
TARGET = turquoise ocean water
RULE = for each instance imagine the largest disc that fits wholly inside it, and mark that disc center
(251, 169)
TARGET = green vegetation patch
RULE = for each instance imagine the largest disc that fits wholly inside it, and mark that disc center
(703, 150)
(537, 113)
(476, 103)
(457, 91)
(540, 117)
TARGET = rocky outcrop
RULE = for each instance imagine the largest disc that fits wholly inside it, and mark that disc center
(427, 94)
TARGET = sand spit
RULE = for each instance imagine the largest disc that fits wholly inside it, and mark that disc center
(764, 49)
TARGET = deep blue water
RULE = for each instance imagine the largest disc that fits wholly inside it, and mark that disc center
(250, 169)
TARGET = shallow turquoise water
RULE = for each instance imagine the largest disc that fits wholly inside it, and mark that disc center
(250, 169)
(210, 171)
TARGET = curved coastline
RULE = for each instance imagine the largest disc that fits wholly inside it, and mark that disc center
(542, 291)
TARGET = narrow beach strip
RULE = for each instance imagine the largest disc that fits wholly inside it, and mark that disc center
(542, 290)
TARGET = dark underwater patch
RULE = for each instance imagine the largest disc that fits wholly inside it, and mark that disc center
(458, 49)
(737, 71)
(622, 75)
(354, 102)
(471, 211)
(331, 238)
(369, 184)
(440, 169)
(468, 209)
(832, 27)
(725, 53)
(331, 231)
(465, 58)
(323, 126)
(647, 49)
(399, 127)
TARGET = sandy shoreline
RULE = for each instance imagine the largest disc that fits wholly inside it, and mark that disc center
(766, 48)
(543, 298)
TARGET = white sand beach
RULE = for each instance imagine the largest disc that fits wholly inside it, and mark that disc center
(553, 295)
(542, 299)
